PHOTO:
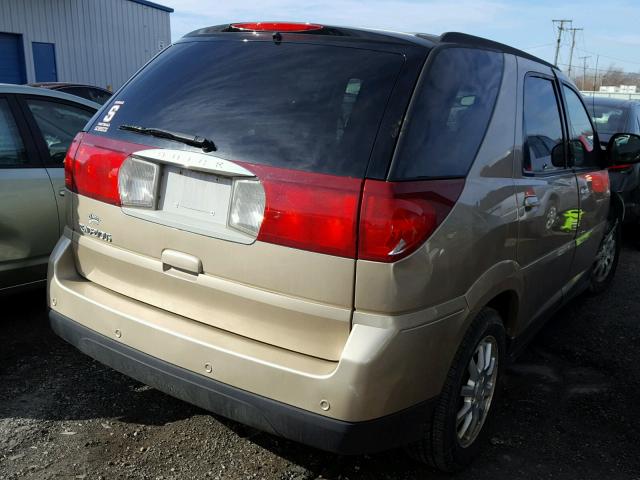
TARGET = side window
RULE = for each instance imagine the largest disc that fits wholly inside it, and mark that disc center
(543, 140)
(12, 150)
(581, 143)
(58, 123)
(98, 96)
(77, 91)
(450, 114)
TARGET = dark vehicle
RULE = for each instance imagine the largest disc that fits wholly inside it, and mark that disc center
(90, 92)
(611, 115)
(336, 235)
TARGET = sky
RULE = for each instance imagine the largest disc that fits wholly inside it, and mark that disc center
(610, 27)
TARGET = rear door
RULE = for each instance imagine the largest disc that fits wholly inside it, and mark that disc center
(28, 214)
(593, 180)
(258, 236)
(547, 194)
(54, 123)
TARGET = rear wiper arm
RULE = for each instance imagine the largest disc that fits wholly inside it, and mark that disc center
(205, 144)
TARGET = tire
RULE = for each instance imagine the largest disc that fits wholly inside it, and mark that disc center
(441, 446)
(606, 262)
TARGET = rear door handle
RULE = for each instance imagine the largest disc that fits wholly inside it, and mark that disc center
(530, 202)
(61, 193)
(180, 264)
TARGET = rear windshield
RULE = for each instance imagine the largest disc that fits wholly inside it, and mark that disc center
(292, 105)
(609, 119)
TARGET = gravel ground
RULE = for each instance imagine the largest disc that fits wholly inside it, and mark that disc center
(569, 409)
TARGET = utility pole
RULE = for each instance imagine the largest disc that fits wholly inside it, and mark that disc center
(573, 45)
(560, 30)
(595, 75)
(584, 70)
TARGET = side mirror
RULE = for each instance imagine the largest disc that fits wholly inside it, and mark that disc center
(623, 149)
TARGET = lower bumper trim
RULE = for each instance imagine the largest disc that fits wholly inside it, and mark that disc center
(245, 407)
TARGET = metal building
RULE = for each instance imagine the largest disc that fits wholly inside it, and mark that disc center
(99, 42)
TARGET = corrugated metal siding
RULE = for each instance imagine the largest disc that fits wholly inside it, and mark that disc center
(99, 42)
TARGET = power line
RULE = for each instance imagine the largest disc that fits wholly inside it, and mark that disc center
(538, 46)
(566, 65)
(609, 57)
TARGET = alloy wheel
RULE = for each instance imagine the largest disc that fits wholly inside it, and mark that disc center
(606, 256)
(478, 391)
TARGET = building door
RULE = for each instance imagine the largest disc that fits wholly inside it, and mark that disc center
(44, 61)
(11, 59)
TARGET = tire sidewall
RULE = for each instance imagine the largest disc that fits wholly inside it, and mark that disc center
(487, 323)
(596, 287)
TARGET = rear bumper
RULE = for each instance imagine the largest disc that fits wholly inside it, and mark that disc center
(245, 407)
(378, 395)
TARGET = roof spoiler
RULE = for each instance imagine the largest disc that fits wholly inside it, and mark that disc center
(473, 41)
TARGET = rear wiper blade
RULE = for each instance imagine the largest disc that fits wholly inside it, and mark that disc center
(205, 144)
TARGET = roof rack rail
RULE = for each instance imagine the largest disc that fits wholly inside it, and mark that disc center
(472, 40)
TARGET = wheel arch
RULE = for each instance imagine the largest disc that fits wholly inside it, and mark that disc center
(499, 288)
(507, 304)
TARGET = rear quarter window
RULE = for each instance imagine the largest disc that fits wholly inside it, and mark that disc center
(449, 115)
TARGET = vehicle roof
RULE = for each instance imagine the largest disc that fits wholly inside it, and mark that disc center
(617, 102)
(45, 92)
(420, 39)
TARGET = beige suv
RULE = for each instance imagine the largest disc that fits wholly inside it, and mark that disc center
(338, 236)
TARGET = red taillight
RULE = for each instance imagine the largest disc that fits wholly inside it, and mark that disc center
(599, 181)
(92, 170)
(276, 26)
(397, 217)
(620, 167)
(68, 161)
(310, 211)
(319, 213)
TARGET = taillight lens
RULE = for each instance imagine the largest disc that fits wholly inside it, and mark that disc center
(397, 217)
(138, 183)
(619, 167)
(68, 161)
(319, 213)
(95, 173)
(247, 206)
(92, 164)
(599, 181)
(310, 211)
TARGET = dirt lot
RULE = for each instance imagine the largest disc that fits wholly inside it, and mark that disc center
(570, 409)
